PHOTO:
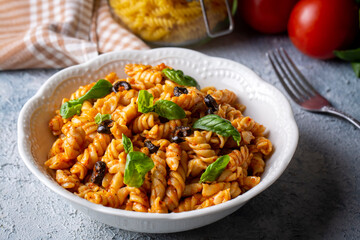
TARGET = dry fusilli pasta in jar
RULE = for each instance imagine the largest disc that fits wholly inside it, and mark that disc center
(169, 22)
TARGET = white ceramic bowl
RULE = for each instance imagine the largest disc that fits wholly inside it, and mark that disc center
(264, 103)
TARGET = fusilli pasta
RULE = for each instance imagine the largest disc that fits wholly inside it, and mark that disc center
(92, 163)
(166, 20)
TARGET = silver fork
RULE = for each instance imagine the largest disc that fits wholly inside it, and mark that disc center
(299, 88)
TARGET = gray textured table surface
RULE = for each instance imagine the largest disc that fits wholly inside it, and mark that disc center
(317, 197)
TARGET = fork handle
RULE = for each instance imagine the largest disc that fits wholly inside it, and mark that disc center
(341, 114)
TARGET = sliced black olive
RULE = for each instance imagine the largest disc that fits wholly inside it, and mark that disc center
(163, 120)
(101, 129)
(123, 84)
(104, 127)
(98, 173)
(182, 131)
(152, 148)
(179, 133)
(107, 122)
(209, 111)
(176, 139)
(211, 103)
(180, 90)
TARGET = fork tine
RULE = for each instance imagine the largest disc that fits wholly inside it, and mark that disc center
(288, 76)
(276, 66)
(290, 66)
(310, 89)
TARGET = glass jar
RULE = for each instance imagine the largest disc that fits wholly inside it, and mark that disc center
(174, 22)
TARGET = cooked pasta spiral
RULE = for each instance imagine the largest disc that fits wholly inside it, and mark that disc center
(158, 177)
(176, 184)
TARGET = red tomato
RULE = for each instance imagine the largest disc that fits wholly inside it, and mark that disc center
(318, 27)
(267, 16)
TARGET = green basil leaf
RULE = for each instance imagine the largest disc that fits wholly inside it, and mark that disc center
(70, 108)
(179, 77)
(99, 118)
(356, 68)
(169, 110)
(99, 90)
(214, 170)
(234, 7)
(128, 146)
(145, 102)
(352, 55)
(137, 165)
(219, 125)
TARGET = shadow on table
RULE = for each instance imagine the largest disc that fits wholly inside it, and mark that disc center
(299, 205)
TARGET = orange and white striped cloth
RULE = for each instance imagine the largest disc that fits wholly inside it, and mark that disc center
(58, 33)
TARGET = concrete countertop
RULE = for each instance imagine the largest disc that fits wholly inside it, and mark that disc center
(318, 196)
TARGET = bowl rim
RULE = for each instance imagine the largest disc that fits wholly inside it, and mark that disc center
(233, 203)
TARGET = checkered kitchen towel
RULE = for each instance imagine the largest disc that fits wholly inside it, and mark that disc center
(58, 33)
